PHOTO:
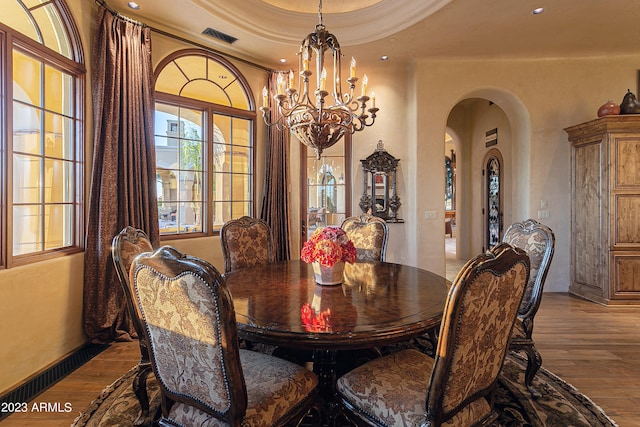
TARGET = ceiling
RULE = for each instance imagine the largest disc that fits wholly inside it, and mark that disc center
(267, 30)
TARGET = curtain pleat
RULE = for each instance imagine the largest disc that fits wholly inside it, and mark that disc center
(275, 203)
(123, 189)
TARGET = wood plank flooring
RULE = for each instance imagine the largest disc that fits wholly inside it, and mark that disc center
(593, 347)
(596, 349)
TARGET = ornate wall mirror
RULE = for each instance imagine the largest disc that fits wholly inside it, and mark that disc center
(379, 195)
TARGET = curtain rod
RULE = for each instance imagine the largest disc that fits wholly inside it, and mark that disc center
(117, 14)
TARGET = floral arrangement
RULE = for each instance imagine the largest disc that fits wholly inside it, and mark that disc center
(328, 246)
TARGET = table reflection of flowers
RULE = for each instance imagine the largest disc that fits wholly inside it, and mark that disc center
(330, 310)
(315, 322)
(328, 249)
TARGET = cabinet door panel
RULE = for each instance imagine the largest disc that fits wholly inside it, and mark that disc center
(627, 220)
(625, 268)
(627, 163)
(588, 214)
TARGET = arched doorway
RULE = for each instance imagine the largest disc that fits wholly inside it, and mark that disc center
(469, 122)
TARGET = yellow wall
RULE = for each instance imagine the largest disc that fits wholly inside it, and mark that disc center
(41, 308)
(42, 303)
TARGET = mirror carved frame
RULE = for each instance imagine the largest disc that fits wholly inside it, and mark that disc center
(380, 194)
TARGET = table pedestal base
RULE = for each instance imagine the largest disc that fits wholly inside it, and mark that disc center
(324, 366)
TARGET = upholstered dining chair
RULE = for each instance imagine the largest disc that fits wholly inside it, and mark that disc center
(205, 378)
(538, 241)
(246, 242)
(457, 387)
(126, 245)
(369, 235)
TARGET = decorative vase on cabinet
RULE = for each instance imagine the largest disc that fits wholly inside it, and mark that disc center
(605, 210)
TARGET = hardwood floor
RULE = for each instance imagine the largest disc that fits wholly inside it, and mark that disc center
(593, 347)
(596, 349)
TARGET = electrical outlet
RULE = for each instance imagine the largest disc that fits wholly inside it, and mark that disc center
(430, 215)
(543, 204)
(543, 214)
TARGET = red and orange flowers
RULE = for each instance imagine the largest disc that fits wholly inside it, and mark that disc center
(327, 246)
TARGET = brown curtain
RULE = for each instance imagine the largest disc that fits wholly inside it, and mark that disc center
(275, 204)
(123, 188)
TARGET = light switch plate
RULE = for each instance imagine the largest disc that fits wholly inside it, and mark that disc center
(430, 215)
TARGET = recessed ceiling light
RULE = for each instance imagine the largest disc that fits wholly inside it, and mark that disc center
(384, 57)
(133, 5)
(283, 60)
(537, 10)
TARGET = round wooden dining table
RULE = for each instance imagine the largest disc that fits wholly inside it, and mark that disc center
(378, 303)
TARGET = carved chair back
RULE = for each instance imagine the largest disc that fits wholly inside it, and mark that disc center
(538, 241)
(127, 245)
(369, 235)
(479, 315)
(191, 332)
(246, 242)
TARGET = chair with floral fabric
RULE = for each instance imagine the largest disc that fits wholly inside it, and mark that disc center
(126, 245)
(205, 378)
(457, 387)
(246, 242)
(369, 234)
(538, 241)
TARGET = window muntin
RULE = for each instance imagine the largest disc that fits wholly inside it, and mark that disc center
(44, 158)
(40, 20)
(179, 168)
(232, 177)
(205, 79)
(42, 152)
(195, 82)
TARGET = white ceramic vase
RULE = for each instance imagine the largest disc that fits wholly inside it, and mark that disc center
(328, 275)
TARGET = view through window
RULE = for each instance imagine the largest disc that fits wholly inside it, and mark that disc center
(42, 153)
(204, 133)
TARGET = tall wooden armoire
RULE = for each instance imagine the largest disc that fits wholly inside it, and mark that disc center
(605, 210)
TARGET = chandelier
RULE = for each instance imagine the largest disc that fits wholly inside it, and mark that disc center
(313, 119)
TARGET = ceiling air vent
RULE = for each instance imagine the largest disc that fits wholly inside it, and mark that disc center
(219, 35)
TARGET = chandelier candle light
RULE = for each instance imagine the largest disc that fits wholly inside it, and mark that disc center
(314, 122)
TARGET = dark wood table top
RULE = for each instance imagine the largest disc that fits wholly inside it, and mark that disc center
(378, 303)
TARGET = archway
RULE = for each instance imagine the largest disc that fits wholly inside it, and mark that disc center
(474, 116)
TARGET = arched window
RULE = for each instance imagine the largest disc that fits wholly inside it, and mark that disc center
(43, 113)
(204, 133)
